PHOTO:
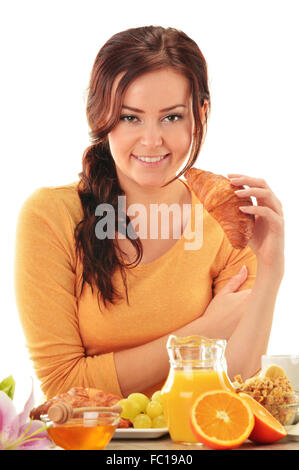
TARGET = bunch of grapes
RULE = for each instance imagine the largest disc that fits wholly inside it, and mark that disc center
(142, 411)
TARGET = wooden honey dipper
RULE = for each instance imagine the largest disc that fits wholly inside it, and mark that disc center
(61, 412)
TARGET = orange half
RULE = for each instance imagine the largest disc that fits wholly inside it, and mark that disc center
(220, 419)
(267, 429)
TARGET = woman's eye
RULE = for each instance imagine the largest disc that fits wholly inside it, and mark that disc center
(133, 119)
(128, 118)
(173, 117)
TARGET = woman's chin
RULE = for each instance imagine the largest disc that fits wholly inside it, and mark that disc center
(153, 183)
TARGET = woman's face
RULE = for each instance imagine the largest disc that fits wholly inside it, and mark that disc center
(156, 121)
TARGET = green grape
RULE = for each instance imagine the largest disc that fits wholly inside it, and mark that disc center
(140, 399)
(157, 397)
(159, 422)
(153, 409)
(130, 409)
(142, 421)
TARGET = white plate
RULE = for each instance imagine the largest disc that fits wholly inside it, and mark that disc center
(131, 433)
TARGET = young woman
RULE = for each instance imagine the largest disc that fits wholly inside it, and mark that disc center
(97, 310)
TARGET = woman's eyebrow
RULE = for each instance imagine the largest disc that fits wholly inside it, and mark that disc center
(161, 110)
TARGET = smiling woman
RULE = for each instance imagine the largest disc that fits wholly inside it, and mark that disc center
(152, 77)
(150, 138)
(97, 312)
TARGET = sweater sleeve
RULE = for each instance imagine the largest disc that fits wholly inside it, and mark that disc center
(45, 280)
(229, 262)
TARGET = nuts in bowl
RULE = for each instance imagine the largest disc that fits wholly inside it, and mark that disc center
(272, 389)
(283, 407)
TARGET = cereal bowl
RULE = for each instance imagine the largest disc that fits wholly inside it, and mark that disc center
(283, 407)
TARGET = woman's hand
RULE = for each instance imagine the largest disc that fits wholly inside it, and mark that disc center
(227, 307)
(267, 241)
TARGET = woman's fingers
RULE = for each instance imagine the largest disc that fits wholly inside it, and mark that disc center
(258, 188)
(276, 221)
(235, 281)
(267, 241)
(248, 180)
(263, 196)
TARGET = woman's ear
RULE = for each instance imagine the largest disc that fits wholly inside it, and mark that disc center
(204, 112)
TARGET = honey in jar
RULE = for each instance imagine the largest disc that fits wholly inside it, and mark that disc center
(88, 432)
(79, 437)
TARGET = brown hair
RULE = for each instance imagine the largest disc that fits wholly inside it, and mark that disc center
(133, 52)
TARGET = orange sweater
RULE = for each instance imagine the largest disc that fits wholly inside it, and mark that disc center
(70, 341)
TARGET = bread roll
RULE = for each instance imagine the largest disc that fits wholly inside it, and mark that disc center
(79, 397)
(216, 193)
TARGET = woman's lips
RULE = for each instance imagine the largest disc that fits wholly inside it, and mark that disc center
(152, 164)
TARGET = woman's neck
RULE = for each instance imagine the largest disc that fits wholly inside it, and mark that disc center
(176, 192)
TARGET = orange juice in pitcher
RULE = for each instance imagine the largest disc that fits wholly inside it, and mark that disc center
(197, 365)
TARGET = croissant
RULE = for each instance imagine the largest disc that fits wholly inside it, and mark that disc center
(216, 193)
(79, 397)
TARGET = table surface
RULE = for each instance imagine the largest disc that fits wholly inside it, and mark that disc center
(165, 443)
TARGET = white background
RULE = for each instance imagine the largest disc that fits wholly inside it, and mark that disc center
(47, 52)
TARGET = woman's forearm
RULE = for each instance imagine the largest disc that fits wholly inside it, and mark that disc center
(142, 367)
(249, 340)
(245, 346)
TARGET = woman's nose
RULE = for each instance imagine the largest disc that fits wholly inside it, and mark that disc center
(151, 135)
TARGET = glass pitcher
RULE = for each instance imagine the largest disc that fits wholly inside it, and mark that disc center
(197, 365)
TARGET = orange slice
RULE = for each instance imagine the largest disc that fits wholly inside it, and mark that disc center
(220, 419)
(267, 429)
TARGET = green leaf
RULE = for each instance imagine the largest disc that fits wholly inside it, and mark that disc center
(8, 386)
